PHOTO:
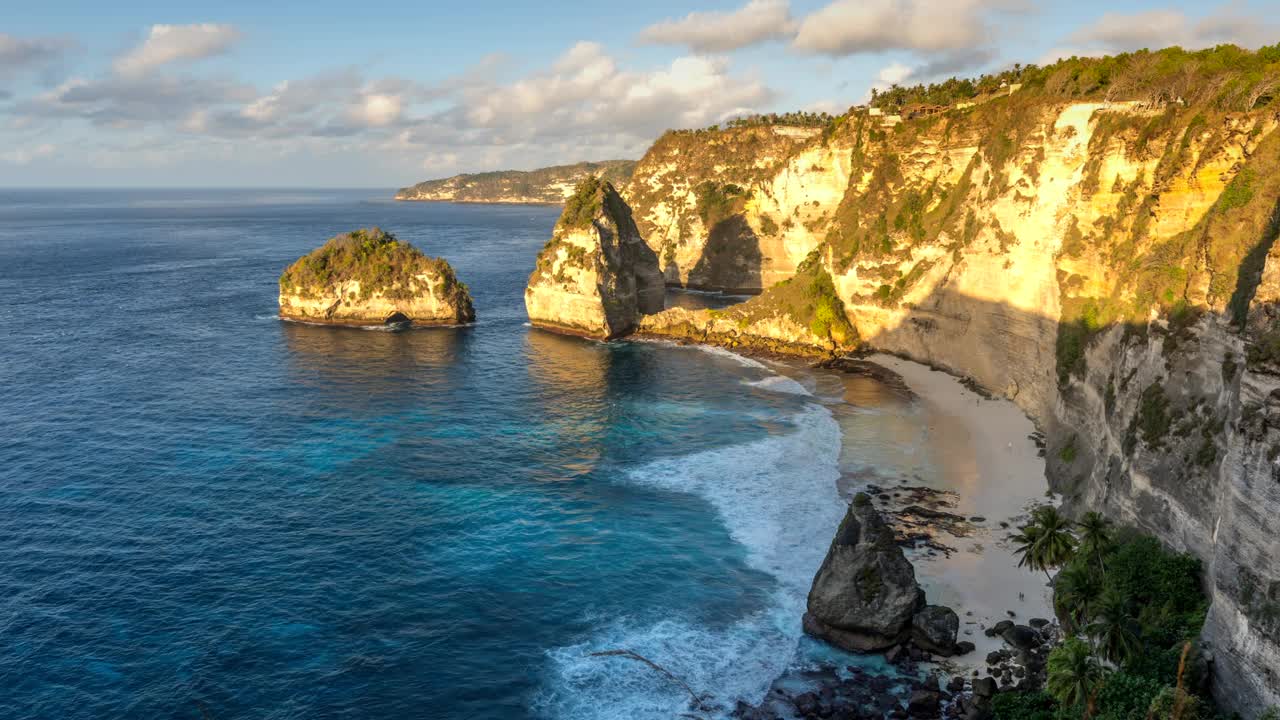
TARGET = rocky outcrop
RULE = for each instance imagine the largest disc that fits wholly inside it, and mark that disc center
(934, 629)
(802, 315)
(550, 186)
(368, 277)
(1110, 266)
(596, 277)
(864, 594)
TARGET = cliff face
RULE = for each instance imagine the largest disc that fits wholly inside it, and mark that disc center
(367, 277)
(736, 209)
(1111, 267)
(595, 277)
(551, 186)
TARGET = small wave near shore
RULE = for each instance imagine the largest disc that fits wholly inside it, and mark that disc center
(778, 499)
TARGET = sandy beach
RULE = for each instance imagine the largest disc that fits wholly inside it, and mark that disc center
(944, 448)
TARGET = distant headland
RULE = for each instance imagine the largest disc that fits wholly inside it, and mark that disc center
(544, 186)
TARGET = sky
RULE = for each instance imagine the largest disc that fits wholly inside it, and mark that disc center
(385, 94)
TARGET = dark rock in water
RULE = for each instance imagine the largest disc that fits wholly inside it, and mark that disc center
(984, 687)
(880, 683)
(924, 704)
(865, 593)
(1021, 637)
(956, 684)
(934, 628)
(1038, 623)
(895, 654)
(995, 657)
(806, 704)
(964, 647)
(1000, 628)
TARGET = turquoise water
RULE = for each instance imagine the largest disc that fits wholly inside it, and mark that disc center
(206, 512)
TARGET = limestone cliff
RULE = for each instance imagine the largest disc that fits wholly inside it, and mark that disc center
(1098, 246)
(596, 277)
(550, 186)
(367, 277)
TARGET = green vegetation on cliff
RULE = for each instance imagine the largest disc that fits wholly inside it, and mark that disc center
(372, 257)
(1125, 599)
(1226, 77)
(543, 185)
(809, 299)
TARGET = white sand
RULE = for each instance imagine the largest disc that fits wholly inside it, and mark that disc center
(984, 453)
(952, 439)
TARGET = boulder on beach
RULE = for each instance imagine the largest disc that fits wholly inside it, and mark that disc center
(368, 277)
(865, 594)
(934, 628)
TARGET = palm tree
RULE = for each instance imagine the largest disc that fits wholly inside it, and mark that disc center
(1113, 628)
(1095, 537)
(1074, 673)
(1075, 592)
(1046, 542)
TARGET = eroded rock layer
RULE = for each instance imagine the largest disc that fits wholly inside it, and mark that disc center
(596, 277)
(367, 277)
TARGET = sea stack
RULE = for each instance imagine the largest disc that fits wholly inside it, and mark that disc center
(596, 277)
(368, 277)
(865, 595)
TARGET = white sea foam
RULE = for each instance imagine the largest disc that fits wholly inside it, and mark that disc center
(780, 383)
(777, 497)
(730, 355)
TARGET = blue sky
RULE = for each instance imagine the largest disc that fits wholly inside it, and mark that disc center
(383, 94)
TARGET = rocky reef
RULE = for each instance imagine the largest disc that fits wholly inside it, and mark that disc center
(368, 277)
(550, 185)
(596, 277)
(1098, 246)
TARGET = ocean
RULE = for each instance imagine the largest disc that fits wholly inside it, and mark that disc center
(206, 512)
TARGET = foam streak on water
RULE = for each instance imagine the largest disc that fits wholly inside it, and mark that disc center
(777, 497)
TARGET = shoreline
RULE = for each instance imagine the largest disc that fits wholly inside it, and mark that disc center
(978, 468)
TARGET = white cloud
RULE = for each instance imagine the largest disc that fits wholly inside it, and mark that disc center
(377, 109)
(27, 154)
(848, 27)
(586, 93)
(166, 44)
(710, 32)
(1153, 29)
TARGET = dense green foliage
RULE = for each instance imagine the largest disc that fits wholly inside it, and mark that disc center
(1046, 542)
(1226, 77)
(791, 119)
(583, 205)
(809, 299)
(1136, 604)
(374, 258)
(717, 203)
(1074, 673)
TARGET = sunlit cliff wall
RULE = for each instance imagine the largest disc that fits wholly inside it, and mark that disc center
(1109, 266)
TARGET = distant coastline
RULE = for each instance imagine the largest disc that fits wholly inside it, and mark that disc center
(544, 186)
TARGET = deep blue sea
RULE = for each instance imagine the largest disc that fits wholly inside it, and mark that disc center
(206, 512)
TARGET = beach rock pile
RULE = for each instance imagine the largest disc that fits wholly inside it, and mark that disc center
(1021, 663)
(595, 277)
(857, 693)
(865, 597)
